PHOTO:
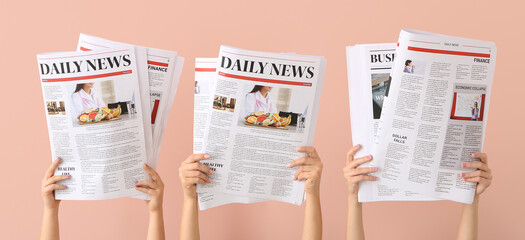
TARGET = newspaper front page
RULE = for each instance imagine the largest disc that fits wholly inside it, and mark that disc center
(264, 107)
(435, 114)
(94, 114)
(369, 68)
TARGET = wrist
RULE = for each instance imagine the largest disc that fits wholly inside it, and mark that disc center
(190, 196)
(315, 191)
(353, 198)
(313, 195)
(156, 210)
(51, 209)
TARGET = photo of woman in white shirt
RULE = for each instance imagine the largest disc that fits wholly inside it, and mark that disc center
(85, 97)
(258, 100)
(409, 67)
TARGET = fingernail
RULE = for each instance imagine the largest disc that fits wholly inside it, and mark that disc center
(375, 178)
(463, 175)
(298, 149)
(68, 176)
(206, 156)
(370, 157)
(473, 155)
(464, 165)
(289, 165)
(374, 168)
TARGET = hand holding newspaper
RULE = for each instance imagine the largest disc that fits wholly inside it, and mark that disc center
(435, 115)
(369, 68)
(100, 139)
(259, 116)
(102, 149)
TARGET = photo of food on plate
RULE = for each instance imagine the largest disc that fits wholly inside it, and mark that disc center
(97, 102)
(274, 107)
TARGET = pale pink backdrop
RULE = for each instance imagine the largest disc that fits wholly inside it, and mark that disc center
(196, 29)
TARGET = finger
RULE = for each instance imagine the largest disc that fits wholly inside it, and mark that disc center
(361, 178)
(53, 187)
(305, 176)
(148, 191)
(478, 173)
(308, 150)
(197, 174)
(55, 179)
(301, 161)
(192, 181)
(304, 169)
(476, 165)
(351, 153)
(360, 171)
(309, 168)
(197, 157)
(473, 179)
(51, 170)
(297, 173)
(154, 175)
(146, 183)
(481, 156)
(199, 166)
(357, 162)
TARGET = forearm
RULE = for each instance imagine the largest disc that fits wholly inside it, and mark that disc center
(313, 220)
(50, 225)
(156, 225)
(468, 227)
(354, 222)
(189, 224)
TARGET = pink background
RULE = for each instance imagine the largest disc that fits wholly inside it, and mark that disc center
(196, 29)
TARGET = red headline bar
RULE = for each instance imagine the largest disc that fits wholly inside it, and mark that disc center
(265, 80)
(84, 49)
(469, 54)
(87, 77)
(205, 69)
(158, 63)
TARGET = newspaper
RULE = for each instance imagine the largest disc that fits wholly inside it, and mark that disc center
(205, 78)
(435, 114)
(162, 73)
(95, 113)
(264, 106)
(369, 67)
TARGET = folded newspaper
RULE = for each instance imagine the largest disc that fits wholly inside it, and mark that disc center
(433, 114)
(106, 112)
(252, 110)
(369, 68)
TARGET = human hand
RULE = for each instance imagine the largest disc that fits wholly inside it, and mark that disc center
(353, 174)
(310, 169)
(483, 176)
(49, 185)
(153, 187)
(192, 172)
